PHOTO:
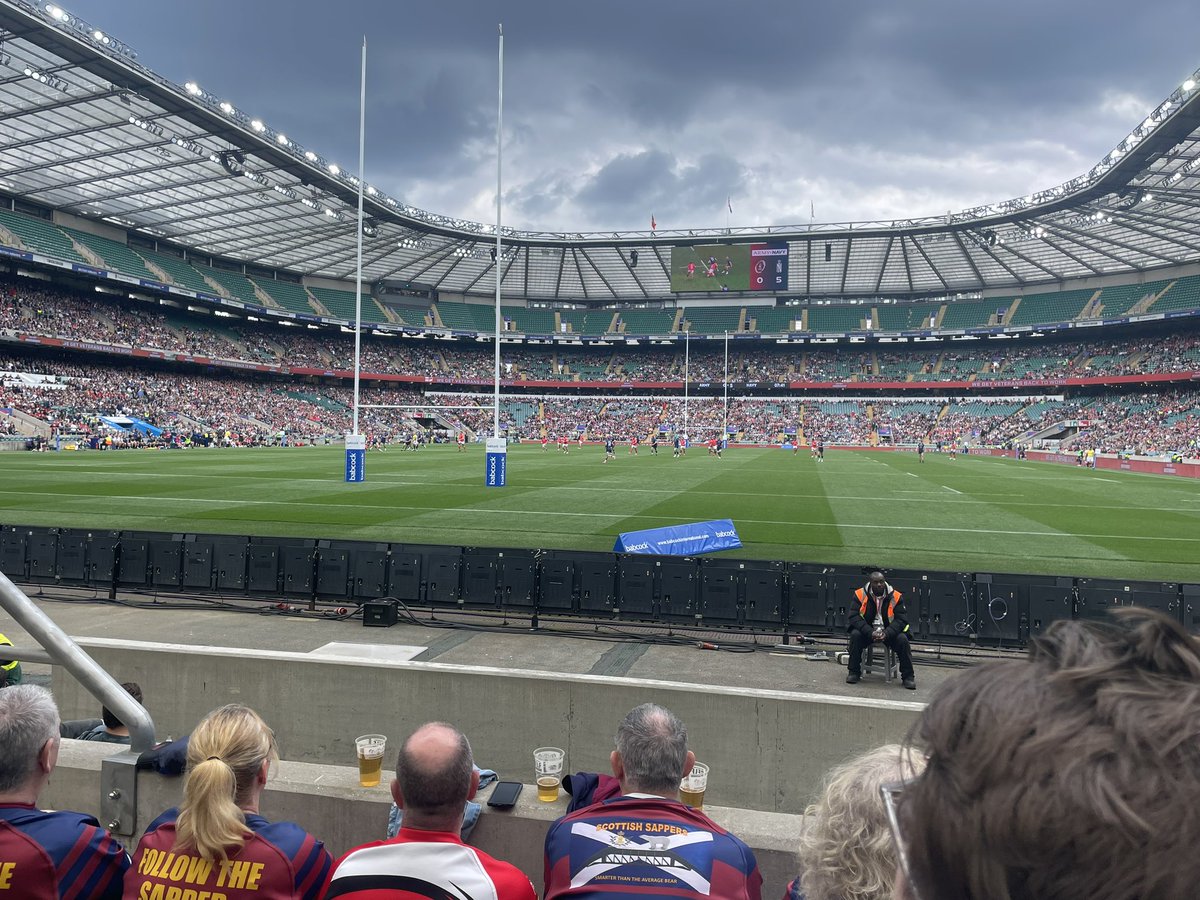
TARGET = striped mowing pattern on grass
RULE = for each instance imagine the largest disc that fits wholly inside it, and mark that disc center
(975, 514)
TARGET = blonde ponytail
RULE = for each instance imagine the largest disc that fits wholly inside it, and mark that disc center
(225, 755)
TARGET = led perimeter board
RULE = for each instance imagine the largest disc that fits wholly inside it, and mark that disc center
(729, 267)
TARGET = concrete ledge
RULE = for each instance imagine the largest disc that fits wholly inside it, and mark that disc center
(329, 802)
(768, 749)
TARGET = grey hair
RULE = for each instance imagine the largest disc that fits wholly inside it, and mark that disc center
(652, 742)
(28, 718)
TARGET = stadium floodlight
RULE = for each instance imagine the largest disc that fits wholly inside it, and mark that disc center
(334, 170)
(257, 125)
(194, 89)
(226, 107)
(310, 156)
(282, 140)
(1189, 84)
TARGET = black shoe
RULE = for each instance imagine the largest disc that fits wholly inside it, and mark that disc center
(909, 683)
(852, 678)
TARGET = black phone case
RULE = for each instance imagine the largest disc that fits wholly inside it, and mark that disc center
(505, 794)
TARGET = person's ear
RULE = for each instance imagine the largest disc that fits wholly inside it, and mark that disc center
(264, 771)
(688, 762)
(48, 755)
(396, 795)
(618, 765)
(474, 784)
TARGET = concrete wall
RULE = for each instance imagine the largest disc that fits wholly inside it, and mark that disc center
(768, 749)
(328, 802)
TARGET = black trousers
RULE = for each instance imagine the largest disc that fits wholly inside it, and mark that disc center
(899, 644)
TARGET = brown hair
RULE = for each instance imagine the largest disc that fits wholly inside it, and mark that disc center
(225, 754)
(1071, 774)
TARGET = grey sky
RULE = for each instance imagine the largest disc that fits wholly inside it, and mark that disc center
(616, 111)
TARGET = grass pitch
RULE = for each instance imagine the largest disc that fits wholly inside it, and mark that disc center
(977, 514)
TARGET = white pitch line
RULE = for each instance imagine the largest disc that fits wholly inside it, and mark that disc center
(475, 510)
(947, 487)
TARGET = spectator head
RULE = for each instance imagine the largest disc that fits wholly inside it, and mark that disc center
(28, 739)
(1070, 774)
(846, 850)
(229, 757)
(435, 777)
(652, 755)
(110, 720)
(878, 584)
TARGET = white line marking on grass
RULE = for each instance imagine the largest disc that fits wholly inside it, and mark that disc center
(912, 474)
(1110, 480)
(476, 510)
(947, 487)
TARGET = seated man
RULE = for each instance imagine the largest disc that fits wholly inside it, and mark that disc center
(646, 841)
(46, 854)
(435, 777)
(1070, 775)
(877, 615)
(108, 728)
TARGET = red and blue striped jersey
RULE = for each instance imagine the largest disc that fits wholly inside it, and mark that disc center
(58, 854)
(280, 861)
(649, 847)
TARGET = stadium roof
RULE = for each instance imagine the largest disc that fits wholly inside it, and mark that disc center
(91, 132)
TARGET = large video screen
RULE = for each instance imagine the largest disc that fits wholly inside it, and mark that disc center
(729, 267)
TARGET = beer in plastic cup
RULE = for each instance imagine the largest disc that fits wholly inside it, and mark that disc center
(548, 770)
(691, 789)
(370, 758)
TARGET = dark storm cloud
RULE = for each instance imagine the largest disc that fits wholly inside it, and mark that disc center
(617, 110)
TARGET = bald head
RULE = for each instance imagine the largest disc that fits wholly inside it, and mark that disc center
(434, 772)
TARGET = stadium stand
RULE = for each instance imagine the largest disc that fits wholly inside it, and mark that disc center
(1039, 309)
(713, 319)
(115, 255)
(40, 236)
(1183, 294)
(236, 284)
(1119, 300)
(467, 316)
(178, 270)
(969, 313)
(290, 296)
(835, 318)
(774, 320)
(647, 321)
(530, 321)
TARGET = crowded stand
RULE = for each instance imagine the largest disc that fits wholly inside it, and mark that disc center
(71, 392)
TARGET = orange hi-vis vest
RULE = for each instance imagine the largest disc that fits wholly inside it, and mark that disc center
(863, 598)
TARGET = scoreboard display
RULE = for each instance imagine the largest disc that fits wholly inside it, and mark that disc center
(714, 268)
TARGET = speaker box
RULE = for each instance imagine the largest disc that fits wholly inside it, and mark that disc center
(379, 613)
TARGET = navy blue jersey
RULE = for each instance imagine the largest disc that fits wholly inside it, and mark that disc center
(58, 854)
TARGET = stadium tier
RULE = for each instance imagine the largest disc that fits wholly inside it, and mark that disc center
(646, 321)
(835, 318)
(237, 285)
(467, 316)
(290, 296)
(115, 255)
(1183, 294)
(774, 320)
(178, 271)
(40, 236)
(1122, 299)
(713, 319)
(530, 321)
(1041, 309)
(970, 313)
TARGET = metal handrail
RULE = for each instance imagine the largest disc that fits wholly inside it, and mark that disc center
(62, 650)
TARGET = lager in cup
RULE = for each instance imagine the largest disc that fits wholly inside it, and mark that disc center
(691, 789)
(548, 771)
(370, 758)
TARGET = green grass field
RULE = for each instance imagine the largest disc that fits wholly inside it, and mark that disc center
(976, 514)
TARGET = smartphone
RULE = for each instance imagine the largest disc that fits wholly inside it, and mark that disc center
(504, 794)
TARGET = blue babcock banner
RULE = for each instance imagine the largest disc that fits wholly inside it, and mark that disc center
(681, 540)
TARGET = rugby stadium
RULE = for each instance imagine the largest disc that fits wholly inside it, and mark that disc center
(999, 406)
